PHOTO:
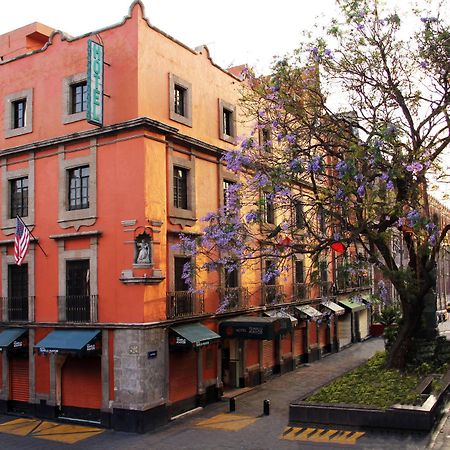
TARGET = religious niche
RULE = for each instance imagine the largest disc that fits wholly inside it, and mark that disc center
(143, 249)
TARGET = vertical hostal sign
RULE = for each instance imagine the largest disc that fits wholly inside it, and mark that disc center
(94, 112)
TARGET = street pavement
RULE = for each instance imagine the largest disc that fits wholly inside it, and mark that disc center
(215, 428)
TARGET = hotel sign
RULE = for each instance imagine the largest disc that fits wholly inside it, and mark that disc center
(95, 78)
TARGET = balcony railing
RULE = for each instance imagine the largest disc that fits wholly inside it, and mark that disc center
(78, 308)
(272, 294)
(184, 304)
(18, 309)
(346, 284)
(302, 292)
(326, 289)
(233, 298)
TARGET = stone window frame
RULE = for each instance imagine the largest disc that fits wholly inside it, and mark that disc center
(7, 260)
(77, 217)
(223, 105)
(184, 217)
(8, 225)
(64, 255)
(185, 119)
(67, 83)
(9, 130)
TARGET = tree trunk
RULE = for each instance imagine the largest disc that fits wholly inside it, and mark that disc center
(417, 337)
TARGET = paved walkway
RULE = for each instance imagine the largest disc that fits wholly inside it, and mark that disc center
(247, 428)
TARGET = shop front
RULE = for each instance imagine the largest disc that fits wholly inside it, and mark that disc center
(240, 367)
(312, 317)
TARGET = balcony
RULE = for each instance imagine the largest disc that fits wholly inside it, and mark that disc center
(272, 294)
(18, 309)
(302, 292)
(78, 308)
(233, 299)
(184, 304)
(352, 283)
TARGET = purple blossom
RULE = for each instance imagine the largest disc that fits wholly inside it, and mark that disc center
(261, 179)
(390, 130)
(315, 164)
(280, 137)
(252, 216)
(341, 167)
(361, 191)
(433, 239)
(360, 27)
(340, 194)
(295, 164)
(235, 160)
(423, 64)
(384, 177)
(359, 177)
(389, 185)
(414, 167)
(428, 19)
(413, 217)
(328, 53)
(430, 227)
(291, 138)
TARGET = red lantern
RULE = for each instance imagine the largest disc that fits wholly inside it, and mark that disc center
(338, 247)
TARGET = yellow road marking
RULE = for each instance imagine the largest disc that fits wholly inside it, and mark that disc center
(321, 435)
(230, 422)
(49, 430)
(19, 427)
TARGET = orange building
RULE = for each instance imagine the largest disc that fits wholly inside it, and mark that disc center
(107, 155)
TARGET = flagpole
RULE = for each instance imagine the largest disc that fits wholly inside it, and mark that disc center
(31, 234)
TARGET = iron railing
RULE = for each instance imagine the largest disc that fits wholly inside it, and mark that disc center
(184, 304)
(233, 298)
(78, 308)
(17, 309)
(272, 294)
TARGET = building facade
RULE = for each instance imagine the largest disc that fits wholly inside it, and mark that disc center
(108, 155)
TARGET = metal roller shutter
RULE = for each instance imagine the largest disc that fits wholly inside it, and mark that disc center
(19, 376)
(82, 382)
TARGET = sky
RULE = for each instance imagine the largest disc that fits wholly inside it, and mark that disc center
(235, 31)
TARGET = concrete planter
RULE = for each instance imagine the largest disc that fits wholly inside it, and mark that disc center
(406, 417)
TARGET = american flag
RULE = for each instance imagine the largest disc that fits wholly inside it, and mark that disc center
(21, 241)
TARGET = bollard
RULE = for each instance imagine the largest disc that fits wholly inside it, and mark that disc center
(232, 404)
(266, 407)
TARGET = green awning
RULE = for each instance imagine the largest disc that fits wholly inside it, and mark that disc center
(191, 335)
(13, 338)
(352, 306)
(254, 327)
(70, 341)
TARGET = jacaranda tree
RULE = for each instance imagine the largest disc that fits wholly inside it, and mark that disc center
(352, 175)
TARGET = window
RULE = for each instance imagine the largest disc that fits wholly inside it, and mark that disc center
(78, 188)
(265, 139)
(18, 292)
(18, 197)
(181, 283)
(78, 300)
(321, 220)
(227, 185)
(180, 99)
(299, 272)
(299, 214)
(227, 121)
(78, 97)
(74, 98)
(269, 210)
(231, 278)
(18, 113)
(179, 96)
(180, 187)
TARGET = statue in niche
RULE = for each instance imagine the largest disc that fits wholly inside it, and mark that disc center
(143, 249)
